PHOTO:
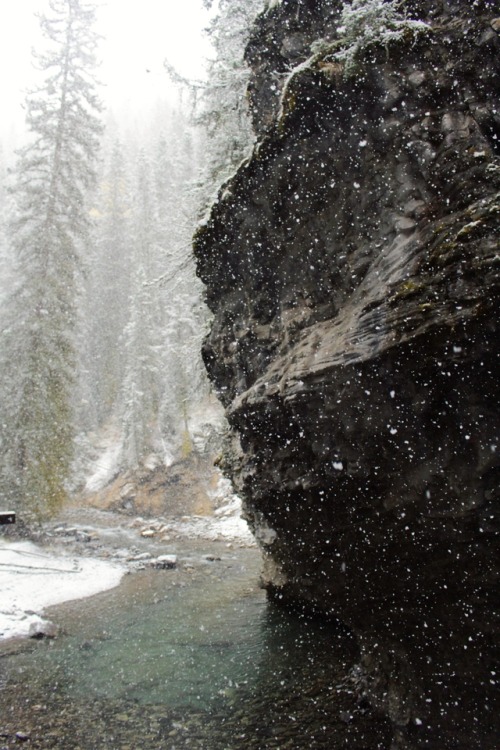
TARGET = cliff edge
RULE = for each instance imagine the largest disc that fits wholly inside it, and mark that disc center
(351, 265)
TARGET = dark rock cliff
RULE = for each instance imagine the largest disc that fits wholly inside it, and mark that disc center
(352, 268)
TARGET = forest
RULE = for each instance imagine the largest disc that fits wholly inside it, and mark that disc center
(102, 315)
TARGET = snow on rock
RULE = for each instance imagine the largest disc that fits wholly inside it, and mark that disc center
(43, 629)
(224, 498)
(32, 579)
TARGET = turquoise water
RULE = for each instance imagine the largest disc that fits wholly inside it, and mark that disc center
(188, 658)
(186, 646)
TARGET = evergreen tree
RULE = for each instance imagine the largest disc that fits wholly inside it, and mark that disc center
(219, 104)
(5, 260)
(107, 290)
(142, 381)
(142, 375)
(185, 384)
(225, 112)
(53, 176)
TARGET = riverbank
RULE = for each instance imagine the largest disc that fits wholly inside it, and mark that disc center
(179, 657)
(32, 579)
(87, 551)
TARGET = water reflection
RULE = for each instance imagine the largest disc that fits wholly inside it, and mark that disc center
(185, 651)
(203, 660)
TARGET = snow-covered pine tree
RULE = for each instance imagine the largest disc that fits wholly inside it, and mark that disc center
(5, 260)
(142, 371)
(185, 384)
(107, 290)
(53, 176)
(224, 104)
(140, 396)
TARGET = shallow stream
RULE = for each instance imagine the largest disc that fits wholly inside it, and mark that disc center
(185, 658)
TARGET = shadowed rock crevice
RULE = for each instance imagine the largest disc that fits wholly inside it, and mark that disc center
(352, 268)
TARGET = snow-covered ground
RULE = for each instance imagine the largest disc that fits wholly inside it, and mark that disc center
(32, 579)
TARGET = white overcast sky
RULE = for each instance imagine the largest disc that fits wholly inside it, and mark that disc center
(139, 35)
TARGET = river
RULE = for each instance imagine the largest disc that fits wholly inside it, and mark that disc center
(187, 658)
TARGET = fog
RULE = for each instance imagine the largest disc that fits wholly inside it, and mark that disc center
(136, 38)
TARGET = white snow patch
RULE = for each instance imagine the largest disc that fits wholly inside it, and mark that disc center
(32, 579)
(104, 468)
(230, 509)
(152, 462)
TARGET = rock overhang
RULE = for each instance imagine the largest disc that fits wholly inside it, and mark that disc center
(352, 268)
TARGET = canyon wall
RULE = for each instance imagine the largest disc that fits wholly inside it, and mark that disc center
(351, 265)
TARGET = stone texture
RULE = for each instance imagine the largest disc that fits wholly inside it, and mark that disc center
(352, 268)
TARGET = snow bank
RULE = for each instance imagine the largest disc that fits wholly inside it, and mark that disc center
(31, 579)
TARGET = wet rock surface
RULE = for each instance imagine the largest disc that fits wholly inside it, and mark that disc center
(352, 268)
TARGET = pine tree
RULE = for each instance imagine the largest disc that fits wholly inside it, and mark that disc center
(5, 260)
(142, 380)
(222, 107)
(183, 326)
(107, 289)
(54, 174)
(143, 376)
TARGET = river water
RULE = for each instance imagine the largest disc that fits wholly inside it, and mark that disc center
(187, 658)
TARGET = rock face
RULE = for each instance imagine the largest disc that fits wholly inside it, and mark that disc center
(352, 268)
